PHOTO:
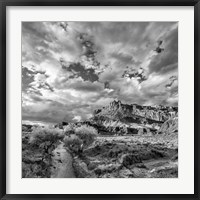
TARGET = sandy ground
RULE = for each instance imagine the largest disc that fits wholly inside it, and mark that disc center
(62, 163)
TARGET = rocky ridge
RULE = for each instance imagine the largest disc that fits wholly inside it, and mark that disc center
(116, 110)
(132, 119)
(121, 119)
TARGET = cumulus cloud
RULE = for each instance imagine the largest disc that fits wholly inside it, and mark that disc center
(167, 60)
(71, 68)
(77, 118)
(172, 79)
(139, 74)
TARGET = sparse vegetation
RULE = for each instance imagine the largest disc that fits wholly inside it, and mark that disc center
(37, 151)
(78, 138)
(130, 156)
(87, 134)
(108, 156)
(46, 138)
(69, 129)
(73, 143)
(102, 148)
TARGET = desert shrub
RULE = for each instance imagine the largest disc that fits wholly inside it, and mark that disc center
(26, 171)
(130, 159)
(171, 172)
(46, 138)
(112, 154)
(25, 140)
(73, 143)
(37, 153)
(69, 129)
(87, 134)
(83, 136)
(26, 128)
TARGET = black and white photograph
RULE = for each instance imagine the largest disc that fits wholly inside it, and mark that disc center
(99, 99)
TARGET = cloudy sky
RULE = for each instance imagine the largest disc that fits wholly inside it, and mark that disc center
(71, 68)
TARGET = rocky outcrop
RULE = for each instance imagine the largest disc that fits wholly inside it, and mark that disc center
(81, 169)
(123, 119)
(119, 117)
(116, 157)
(170, 126)
(116, 110)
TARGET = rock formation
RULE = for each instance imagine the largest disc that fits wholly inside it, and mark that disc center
(132, 119)
(170, 126)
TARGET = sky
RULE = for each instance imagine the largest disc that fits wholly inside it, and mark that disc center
(69, 69)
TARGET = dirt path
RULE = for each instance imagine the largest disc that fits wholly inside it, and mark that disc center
(62, 163)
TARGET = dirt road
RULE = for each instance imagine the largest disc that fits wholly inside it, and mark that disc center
(62, 163)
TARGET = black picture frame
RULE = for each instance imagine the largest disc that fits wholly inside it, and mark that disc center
(3, 184)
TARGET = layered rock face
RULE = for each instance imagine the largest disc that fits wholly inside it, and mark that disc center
(121, 119)
(118, 111)
(169, 126)
(132, 118)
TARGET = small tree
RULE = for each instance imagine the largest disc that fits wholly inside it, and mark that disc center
(73, 143)
(83, 137)
(46, 140)
(87, 134)
(37, 151)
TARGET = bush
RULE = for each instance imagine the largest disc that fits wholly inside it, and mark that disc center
(69, 129)
(87, 134)
(37, 153)
(83, 136)
(26, 128)
(46, 138)
(74, 143)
